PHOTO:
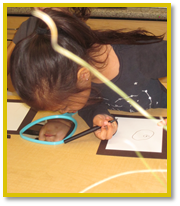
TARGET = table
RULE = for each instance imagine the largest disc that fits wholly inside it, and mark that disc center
(68, 169)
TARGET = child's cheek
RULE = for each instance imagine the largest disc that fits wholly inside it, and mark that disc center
(59, 136)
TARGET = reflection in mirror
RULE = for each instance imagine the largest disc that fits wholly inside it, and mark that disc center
(52, 130)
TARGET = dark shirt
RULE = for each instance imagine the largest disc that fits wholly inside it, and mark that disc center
(140, 68)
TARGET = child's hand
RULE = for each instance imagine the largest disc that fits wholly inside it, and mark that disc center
(162, 123)
(55, 130)
(107, 129)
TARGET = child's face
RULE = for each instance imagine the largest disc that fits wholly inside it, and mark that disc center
(55, 130)
(73, 103)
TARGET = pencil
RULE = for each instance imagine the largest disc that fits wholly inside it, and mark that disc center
(88, 131)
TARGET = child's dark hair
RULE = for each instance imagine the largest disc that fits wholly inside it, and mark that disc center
(81, 12)
(43, 77)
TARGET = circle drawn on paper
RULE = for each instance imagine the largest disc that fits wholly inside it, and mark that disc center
(143, 134)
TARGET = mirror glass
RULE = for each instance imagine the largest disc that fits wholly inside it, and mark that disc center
(52, 130)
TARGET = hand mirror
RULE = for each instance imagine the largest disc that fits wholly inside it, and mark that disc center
(50, 130)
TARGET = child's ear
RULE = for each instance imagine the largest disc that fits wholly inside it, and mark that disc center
(83, 77)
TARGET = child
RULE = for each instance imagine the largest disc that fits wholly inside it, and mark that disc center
(46, 80)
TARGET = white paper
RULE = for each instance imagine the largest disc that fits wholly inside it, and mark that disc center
(16, 113)
(137, 134)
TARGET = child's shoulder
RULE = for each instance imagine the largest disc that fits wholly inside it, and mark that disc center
(158, 48)
(120, 47)
(26, 28)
